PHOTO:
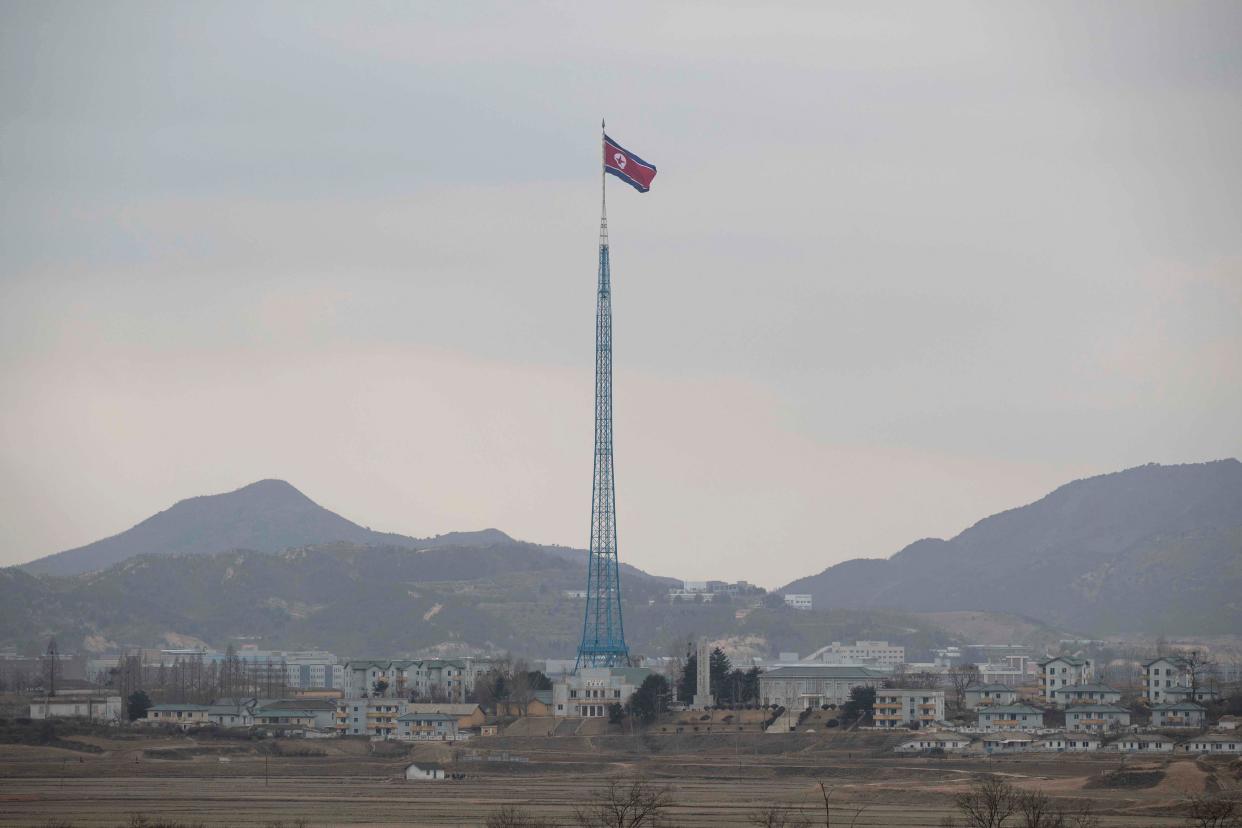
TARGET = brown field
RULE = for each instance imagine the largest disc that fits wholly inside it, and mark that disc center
(716, 780)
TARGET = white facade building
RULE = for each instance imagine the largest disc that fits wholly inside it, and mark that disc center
(860, 652)
(906, 708)
(95, 708)
(798, 687)
(798, 601)
(1097, 717)
(591, 691)
(1010, 717)
(1063, 671)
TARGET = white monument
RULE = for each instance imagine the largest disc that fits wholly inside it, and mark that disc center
(703, 684)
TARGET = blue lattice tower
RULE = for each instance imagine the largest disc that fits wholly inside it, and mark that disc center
(603, 634)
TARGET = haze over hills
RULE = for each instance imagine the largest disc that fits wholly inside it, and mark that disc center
(1153, 549)
(266, 516)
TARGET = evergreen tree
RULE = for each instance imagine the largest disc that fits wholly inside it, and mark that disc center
(139, 704)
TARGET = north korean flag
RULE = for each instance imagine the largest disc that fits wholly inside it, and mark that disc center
(627, 166)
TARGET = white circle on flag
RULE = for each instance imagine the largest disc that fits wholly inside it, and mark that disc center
(619, 159)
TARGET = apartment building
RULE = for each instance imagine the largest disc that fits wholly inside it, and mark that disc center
(450, 679)
(373, 717)
(427, 727)
(908, 708)
(1063, 671)
(799, 601)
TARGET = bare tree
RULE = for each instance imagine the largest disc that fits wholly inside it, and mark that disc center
(521, 692)
(1199, 667)
(1038, 811)
(776, 816)
(1206, 811)
(636, 804)
(988, 804)
(511, 816)
(962, 676)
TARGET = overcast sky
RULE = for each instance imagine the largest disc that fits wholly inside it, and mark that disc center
(903, 266)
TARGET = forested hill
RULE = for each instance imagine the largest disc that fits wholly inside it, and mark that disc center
(1154, 549)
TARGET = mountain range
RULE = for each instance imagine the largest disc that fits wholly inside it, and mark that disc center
(1154, 549)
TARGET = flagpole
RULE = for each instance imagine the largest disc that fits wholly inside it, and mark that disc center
(603, 173)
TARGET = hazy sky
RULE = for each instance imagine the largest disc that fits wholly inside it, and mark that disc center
(904, 265)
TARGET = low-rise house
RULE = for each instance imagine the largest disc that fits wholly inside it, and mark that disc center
(540, 704)
(1009, 742)
(95, 708)
(1098, 717)
(425, 771)
(184, 716)
(983, 695)
(427, 727)
(1063, 671)
(1179, 714)
(1198, 694)
(1085, 694)
(1144, 743)
(1229, 722)
(284, 718)
(1071, 742)
(934, 740)
(1215, 743)
(237, 713)
(905, 708)
(1010, 717)
(802, 686)
(468, 715)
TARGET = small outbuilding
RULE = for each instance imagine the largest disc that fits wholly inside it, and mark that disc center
(425, 771)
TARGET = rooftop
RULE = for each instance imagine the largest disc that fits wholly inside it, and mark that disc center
(1086, 688)
(1009, 708)
(1096, 708)
(827, 671)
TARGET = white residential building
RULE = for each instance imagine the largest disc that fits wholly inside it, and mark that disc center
(1160, 675)
(1144, 743)
(1010, 717)
(934, 740)
(905, 708)
(373, 717)
(985, 695)
(1178, 714)
(798, 601)
(1075, 742)
(1097, 717)
(1216, 743)
(427, 727)
(1009, 742)
(451, 679)
(1063, 671)
(1085, 694)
